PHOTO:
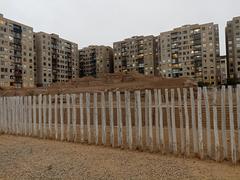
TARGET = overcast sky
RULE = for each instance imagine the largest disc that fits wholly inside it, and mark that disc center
(102, 22)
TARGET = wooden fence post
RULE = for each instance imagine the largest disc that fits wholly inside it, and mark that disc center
(50, 115)
(95, 116)
(200, 131)
(157, 119)
(30, 115)
(81, 117)
(215, 124)
(238, 116)
(103, 114)
(194, 129)
(139, 112)
(146, 118)
(25, 115)
(56, 116)
(62, 117)
(68, 117)
(110, 102)
(186, 122)
(173, 121)
(74, 118)
(129, 120)
(208, 123)
(231, 115)
(88, 117)
(180, 110)
(223, 118)
(126, 117)
(40, 115)
(1, 116)
(170, 139)
(162, 141)
(34, 116)
(45, 116)
(119, 119)
(150, 120)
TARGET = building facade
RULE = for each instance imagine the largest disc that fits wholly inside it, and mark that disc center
(136, 54)
(232, 32)
(16, 54)
(95, 61)
(222, 70)
(56, 59)
(189, 51)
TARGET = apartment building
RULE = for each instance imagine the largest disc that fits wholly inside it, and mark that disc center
(222, 70)
(232, 32)
(189, 51)
(136, 54)
(16, 54)
(56, 59)
(95, 61)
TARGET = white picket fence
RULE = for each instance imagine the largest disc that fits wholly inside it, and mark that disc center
(179, 121)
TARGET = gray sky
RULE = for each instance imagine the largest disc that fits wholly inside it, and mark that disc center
(99, 22)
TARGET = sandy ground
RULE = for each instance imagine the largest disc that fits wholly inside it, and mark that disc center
(29, 158)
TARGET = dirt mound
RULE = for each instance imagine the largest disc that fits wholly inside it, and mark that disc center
(118, 81)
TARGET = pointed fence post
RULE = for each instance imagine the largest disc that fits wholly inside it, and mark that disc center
(110, 102)
(139, 112)
(50, 115)
(119, 119)
(88, 117)
(215, 123)
(68, 117)
(170, 139)
(62, 117)
(146, 118)
(30, 116)
(40, 115)
(103, 114)
(95, 116)
(81, 117)
(194, 129)
(156, 119)
(208, 123)
(34, 116)
(74, 117)
(45, 116)
(129, 119)
(200, 131)
(56, 115)
(186, 121)
(180, 110)
(238, 116)
(162, 141)
(150, 120)
(232, 129)
(173, 121)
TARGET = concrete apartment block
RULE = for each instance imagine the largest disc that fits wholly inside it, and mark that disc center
(222, 70)
(16, 54)
(189, 51)
(136, 54)
(56, 59)
(95, 61)
(233, 48)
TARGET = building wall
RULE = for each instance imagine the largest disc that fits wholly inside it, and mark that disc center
(222, 70)
(16, 54)
(233, 48)
(56, 59)
(136, 54)
(189, 51)
(95, 61)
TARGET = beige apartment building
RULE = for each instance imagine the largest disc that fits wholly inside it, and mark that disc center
(56, 59)
(222, 70)
(233, 48)
(95, 61)
(189, 51)
(136, 54)
(16, 54)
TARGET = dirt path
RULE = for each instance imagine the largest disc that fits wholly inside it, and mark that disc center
(27, 158)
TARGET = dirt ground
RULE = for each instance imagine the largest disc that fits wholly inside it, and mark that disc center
(29, 158)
